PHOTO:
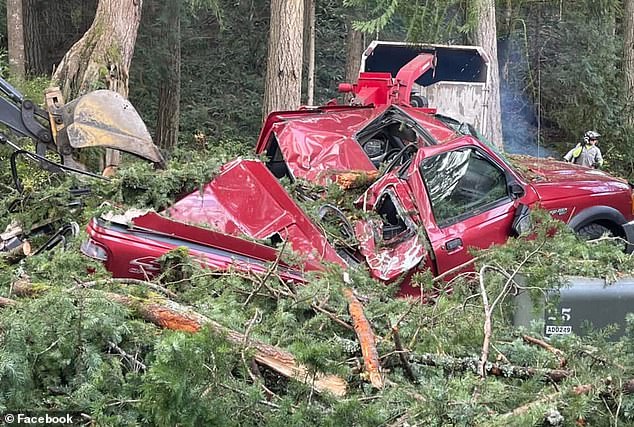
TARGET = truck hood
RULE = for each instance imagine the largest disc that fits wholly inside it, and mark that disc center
(246, 200)
(553, 179)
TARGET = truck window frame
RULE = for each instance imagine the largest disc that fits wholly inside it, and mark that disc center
(475, 208)
(409, 228)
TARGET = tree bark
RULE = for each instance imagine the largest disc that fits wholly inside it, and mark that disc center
(449, 363)
(354, 50)
(101, 58)
(628, 63)
(363, 329)
(310, 50)
(485, 36)
(283, 85)
(33, 40)
(167, 122)
(15, 35)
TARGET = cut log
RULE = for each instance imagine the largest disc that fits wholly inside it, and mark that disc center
(14, 255)
(172, 315)
(363, 329)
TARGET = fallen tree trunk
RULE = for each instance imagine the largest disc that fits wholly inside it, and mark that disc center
(363, 329)
(496, 369)
(171, 315)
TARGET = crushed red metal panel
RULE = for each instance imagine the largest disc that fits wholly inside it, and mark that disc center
(388, 259)
(387, 262)
(316, 144)
(246, 199)
(133, 251)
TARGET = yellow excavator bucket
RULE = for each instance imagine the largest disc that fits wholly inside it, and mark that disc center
(102, 118)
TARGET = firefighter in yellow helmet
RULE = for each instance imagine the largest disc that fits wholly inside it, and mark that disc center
(586, 153)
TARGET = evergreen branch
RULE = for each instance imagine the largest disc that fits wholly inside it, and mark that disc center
(124, 281)
(169, 314)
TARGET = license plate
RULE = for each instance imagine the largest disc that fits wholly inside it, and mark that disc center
(558, 330)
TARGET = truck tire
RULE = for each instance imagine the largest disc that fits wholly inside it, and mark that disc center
(593, 231)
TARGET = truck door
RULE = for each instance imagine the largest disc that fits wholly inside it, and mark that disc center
(390, 240)
(470, 202)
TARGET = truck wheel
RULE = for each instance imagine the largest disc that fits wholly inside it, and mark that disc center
(593, 231)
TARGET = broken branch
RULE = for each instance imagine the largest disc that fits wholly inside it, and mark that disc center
(543, 344)
(366, 338)
(7, 302)
(402, 353)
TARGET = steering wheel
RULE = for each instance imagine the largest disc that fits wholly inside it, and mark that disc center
(330, 214)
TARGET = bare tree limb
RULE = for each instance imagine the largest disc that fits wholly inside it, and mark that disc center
(366, 338)
(488, 309)
(402, 353)
(136, 364)
(543, 344)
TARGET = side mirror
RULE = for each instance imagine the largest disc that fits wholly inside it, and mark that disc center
(522, 220)
(516, 190)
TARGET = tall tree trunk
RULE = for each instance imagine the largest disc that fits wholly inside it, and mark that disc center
(505, 55)
(354, 49)
(102, 56)
(485, 36)
(309, 17)
(628, 62)
(167, 122)
(284, 65)
(15, 35)
(33, 24)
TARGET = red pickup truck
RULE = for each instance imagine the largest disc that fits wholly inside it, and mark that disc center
(437, 190)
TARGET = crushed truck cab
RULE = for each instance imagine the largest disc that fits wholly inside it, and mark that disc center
(438, 189)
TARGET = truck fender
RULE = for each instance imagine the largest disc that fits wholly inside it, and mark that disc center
(595, 214)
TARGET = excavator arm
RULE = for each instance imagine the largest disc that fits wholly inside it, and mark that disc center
(101, 118)
(25, 118)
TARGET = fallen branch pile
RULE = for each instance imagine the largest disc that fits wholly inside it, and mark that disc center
(172, 315)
